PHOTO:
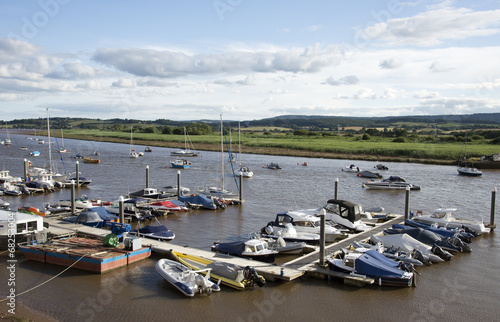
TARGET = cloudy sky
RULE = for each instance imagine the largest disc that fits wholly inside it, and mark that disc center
(248, 59)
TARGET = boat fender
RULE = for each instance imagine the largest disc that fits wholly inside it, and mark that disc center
(419, 213)
(269, 230)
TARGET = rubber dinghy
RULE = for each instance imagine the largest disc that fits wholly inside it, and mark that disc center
(187, 281)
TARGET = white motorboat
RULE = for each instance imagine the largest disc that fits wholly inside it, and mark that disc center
(244, 171)
(289, 234)
(351, 168)
(187, 281)
(444, 217)
(306, 223)
(391, 183)
(18, 227)
(254, 248)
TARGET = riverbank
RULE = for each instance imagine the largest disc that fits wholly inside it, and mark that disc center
(267, 150)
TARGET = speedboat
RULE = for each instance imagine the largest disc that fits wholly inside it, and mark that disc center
(253, 248)
(410, 244)
(369, 174)
(443, 217)
(228, 274)
(385, 271)
(273, 166)
(305, 223)
(244, 171)
(283, 247)
(151, 193)
(351, 168)
(391, 183)
(186, 280)
(289, 234)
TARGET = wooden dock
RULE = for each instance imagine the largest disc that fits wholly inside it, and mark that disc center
(305, 264)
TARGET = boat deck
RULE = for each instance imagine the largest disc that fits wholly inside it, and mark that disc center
(305, 264)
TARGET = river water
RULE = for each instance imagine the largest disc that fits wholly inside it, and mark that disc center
(466, 288)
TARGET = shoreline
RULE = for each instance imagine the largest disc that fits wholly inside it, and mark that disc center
(270, 151)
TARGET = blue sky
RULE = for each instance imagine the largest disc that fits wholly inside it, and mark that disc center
(189, 60)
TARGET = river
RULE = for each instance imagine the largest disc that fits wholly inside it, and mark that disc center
(465, 289)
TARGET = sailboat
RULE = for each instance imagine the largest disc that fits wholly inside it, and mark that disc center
(467, 168)
(242, 170)
(133, 154)
(214, 191)
(8, 142)
(186, 152)
(62, 150)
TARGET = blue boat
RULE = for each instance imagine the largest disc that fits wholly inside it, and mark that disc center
(180, 164)
(158, 231)
(384, 271)
(198, 201)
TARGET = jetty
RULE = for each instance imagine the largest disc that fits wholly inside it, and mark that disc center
(289, 271)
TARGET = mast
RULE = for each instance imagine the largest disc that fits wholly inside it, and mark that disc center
(48, 138)
(222, 150)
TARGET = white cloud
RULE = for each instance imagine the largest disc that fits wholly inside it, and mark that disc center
(346, 80)
(433, 27)
(124, 83)
(390, 63)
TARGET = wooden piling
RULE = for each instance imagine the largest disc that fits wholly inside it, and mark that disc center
(322, 238)
(73, 197)
(407, 203)
(147, 176)
(241, 188)
(178, 183)
(121, 210)
(336, 195)
(25, 170)
(77, 174)
(492, 213)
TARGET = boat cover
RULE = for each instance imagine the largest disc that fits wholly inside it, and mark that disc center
(104, 213)
(157, 231)
(372, 266)
(236, 248)
(225, 269)
(202, 200)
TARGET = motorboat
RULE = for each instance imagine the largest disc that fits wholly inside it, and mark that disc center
(283, 247)
(349, 215)
(151, 193)
(198, 201)
(369, 174)
(244, 171)
(188, 281)
(409, 244)
(173, 189)
(228, 274)
(158, 231)
(167, 205)
(80, 203)
(444, 217)
(9, 189)
(4, 204)
(451, 244)
(273, 166)
(306, 223)
(253, 248)
(351, 168)
(391, 183)
(217, 192)
(381, 167)
(464, 234)
(289, 234)
(20, 227)
(80, 181)
(180, 164)
(384, 271)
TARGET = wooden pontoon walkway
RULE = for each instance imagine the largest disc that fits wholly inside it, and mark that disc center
(306, 264)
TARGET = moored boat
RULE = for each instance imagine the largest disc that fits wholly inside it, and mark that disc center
(444, 217)
(391, 183)
(253, 248)
(186, 280)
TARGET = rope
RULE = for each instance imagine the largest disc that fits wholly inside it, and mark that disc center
(50, 279)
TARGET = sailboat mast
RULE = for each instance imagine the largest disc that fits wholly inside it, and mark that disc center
(48, 138)
(222, 150)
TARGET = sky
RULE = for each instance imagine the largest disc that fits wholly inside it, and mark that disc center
(247, 59)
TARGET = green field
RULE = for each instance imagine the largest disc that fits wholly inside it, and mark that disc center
(329, 147)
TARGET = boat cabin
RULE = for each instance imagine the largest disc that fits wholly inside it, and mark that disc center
(18, 223)
(296, 219)
(345, 209)
(443, 213)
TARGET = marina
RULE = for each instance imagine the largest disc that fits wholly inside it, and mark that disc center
(291, 278)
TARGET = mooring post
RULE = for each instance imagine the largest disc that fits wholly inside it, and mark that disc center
(147, 176)
(25, 170)
(492, 214)
(178, 183)
(336, 195)
(77, 174)
(241, 188)
(121, 210)
(72, 197)
(322, 238)
(407, 203)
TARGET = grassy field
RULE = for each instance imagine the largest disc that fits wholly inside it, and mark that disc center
(327, 147)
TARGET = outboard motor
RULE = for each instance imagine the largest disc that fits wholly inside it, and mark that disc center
(251, 277)
(202, 285)
(441, 253)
